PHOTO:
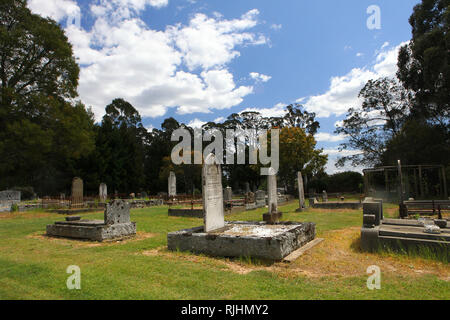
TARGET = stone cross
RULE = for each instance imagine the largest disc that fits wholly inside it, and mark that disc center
(77, 191)
(301, 192)
(103, 192)
(212, 194)
(117, 212)
(172, 184)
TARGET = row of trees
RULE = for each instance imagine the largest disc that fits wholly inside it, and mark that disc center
(407, 117)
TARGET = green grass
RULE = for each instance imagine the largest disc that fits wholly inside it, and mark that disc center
(32, 267)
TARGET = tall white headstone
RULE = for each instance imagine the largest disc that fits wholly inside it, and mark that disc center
(272, 191)
(172, 184)
(212, 194)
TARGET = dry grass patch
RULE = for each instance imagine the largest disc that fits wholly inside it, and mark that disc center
(338, 256)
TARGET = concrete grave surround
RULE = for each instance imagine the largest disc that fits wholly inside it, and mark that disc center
(103, 192)
(212, 194)
(245, 239)
(172, 184)
(77, 191)
(116, 225)
(400, 234)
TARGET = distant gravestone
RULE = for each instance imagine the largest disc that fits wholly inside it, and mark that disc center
(260, 196)
(117, 212)
(228, 194)
(172, 184)
(325, 196)
(301, 192)
(212, 195)
(10, 195)
(77, 191)
(103, 192)
(250, 197)
(8, 198)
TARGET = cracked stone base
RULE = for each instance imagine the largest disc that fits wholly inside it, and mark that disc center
(245, 239)
(91, 230)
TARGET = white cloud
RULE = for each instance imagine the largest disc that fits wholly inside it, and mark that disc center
(196, 123)
(334, 155)
(219, 120)
(276, 26)
(279, 110)
(120, 56)
(259, 77)
(344, 90)
(211, 42)
(56, 9)
(359, 54)
(327, 137)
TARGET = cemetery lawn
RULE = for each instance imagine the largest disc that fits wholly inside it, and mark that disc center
(33, 266)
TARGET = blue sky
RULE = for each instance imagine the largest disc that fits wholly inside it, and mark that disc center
(201, 60)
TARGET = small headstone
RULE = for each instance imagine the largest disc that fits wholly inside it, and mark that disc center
(103, 192)
(247, 187)
(117, 212)
(172, 184)
(228, 194)
(8, 198)
(212, 195)
(260, 196)
(77, 191)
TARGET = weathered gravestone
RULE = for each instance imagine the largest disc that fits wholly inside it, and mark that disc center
(77, 191)
(212, 195)
(228, 194)
(301, 193)
(103, 192)
(273, 216)
(8, 198)
(325, 196)
(172, 184)
(260, 198)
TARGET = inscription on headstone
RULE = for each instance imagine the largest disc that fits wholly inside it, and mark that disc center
(172, 184)
(212, 195)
